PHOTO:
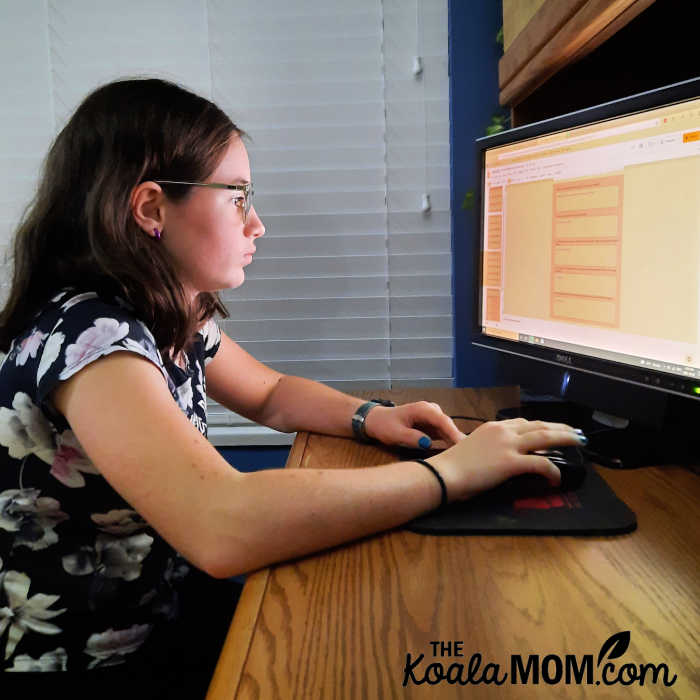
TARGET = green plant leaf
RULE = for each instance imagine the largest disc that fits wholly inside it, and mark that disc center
(468, 201)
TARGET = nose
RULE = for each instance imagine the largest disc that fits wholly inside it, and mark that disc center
(253, 225)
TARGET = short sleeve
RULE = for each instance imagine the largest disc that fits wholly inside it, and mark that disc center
(211, 334)
(86, 328)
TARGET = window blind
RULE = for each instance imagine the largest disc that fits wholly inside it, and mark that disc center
(351, 284)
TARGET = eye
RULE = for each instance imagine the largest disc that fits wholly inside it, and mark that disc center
(238, 200)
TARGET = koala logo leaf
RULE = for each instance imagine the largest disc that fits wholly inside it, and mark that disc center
(614, 646)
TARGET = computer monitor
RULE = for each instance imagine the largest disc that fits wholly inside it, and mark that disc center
(589, 253)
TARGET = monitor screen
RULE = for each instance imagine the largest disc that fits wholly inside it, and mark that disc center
(590, 240)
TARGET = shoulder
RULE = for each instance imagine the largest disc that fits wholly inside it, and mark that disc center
(97, 320)
(71, 303)
(77, 328)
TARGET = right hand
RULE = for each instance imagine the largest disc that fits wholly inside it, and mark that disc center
(499, 450)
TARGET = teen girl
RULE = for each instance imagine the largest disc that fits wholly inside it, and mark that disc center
(109, 489)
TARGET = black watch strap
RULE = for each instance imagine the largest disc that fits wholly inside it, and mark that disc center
(358, 419)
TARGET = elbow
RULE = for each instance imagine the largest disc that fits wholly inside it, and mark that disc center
(271, 412)
(221, 568)
(222, 572)
(224, 559)
(227, 543)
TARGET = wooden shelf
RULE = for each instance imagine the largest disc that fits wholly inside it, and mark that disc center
(560, 33)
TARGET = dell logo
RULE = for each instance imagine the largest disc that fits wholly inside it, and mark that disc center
(566, 359)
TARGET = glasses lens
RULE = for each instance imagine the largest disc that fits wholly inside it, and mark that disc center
(248, 200)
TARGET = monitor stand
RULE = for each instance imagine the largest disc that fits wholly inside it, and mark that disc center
(614, 442)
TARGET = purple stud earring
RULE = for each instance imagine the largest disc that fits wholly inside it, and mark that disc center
(157, 233)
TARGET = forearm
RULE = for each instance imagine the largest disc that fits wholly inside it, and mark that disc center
(279, 515)
(302, 404)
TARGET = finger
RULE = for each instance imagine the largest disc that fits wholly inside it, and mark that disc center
(544, 438)
(416, 438)
(435, 421)
(531, 425)
(534, 464)
(421, 410)
(442, 430)
(450, 431)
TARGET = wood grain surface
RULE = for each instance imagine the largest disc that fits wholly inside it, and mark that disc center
(340, 624)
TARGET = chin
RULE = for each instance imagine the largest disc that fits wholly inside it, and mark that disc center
(231, 282)
(236, 280)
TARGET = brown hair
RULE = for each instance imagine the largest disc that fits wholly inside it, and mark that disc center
(79, 230)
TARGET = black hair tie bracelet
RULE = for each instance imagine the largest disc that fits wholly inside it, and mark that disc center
(438, 477)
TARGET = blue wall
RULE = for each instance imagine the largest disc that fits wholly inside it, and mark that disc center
(473, 64)
(248, 459)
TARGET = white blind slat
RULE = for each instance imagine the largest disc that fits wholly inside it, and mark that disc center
(330, 370)
(312, 288)
(312, 265)
(414, 326)
(347, 179)
(416, 243)
(421, 285)
(424, 305)
(313, 158)
(344, 113)
(272, 309)
(323, 246)
(347, 225)
(305, 328)
(322, 349)
(422, 347)
(329, 202)
(422, 264)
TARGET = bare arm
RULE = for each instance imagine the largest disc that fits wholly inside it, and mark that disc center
(223, 521)
(287, 403)
(243, 384)
(226, 522)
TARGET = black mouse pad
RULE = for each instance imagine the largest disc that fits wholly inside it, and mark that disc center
(592, 509)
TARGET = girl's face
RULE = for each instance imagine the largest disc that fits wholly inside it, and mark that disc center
(205, 233)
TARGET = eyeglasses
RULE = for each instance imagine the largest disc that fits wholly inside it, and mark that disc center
(247, 190)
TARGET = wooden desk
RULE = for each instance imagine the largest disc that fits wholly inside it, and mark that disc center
(340, 624)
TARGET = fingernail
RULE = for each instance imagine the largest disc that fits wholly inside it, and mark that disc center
(578, 430)
(583, 439)
(425, 442)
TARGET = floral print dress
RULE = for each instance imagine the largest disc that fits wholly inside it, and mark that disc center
(84, 580)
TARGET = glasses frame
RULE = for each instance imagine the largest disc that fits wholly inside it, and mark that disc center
(247, 190)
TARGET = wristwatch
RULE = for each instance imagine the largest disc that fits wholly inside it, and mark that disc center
(358, 419)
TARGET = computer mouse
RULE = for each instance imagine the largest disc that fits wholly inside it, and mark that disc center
(572, 464)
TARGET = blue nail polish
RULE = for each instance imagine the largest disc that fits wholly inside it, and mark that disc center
(583, 439)
(425, 442)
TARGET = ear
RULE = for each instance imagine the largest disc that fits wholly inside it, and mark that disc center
(147, 206)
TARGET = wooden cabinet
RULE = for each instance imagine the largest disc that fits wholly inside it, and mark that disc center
(561, 55)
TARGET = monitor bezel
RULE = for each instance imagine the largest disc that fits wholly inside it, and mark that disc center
(616, 371)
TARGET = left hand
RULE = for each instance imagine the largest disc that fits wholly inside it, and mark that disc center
(405, 425)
